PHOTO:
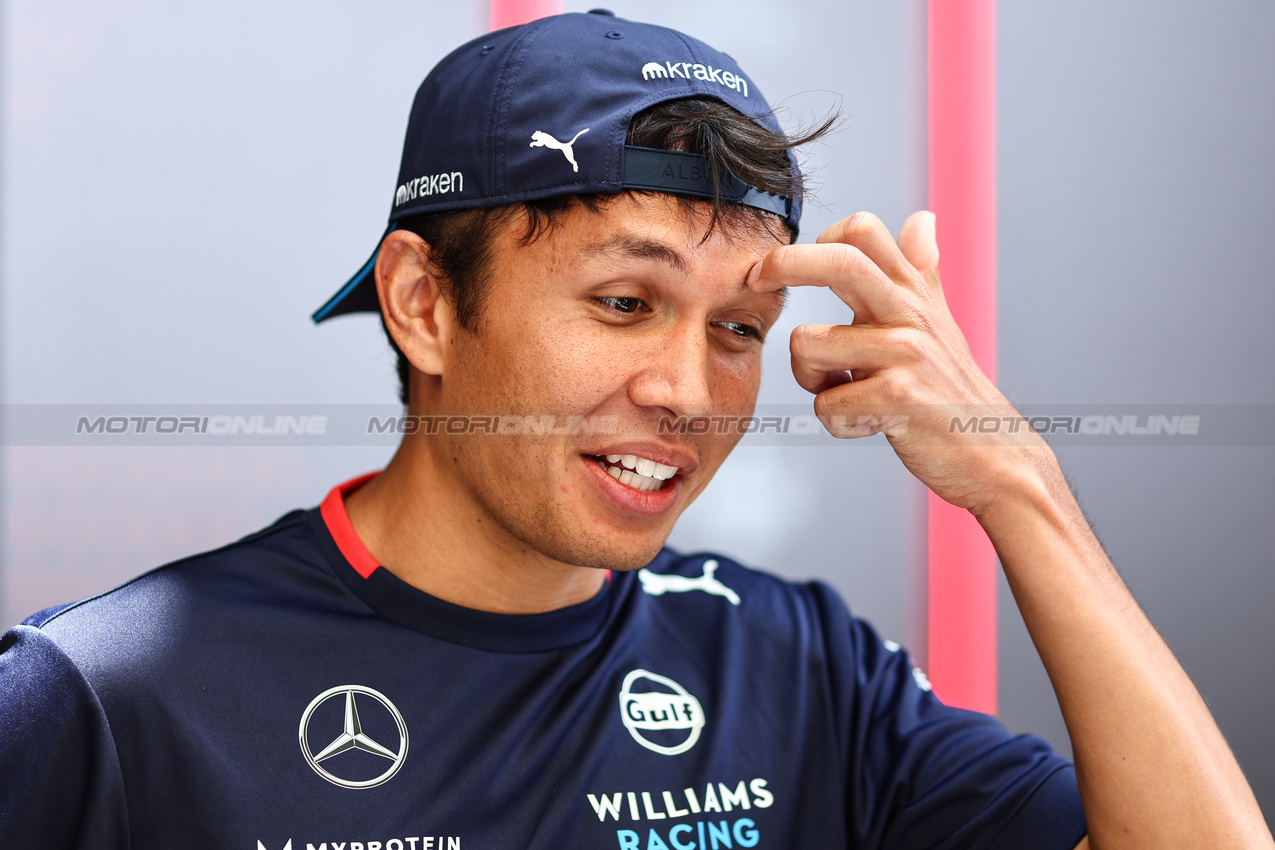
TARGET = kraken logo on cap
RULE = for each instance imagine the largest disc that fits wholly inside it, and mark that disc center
(695, 71)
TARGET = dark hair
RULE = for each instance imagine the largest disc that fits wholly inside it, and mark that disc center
(460, 242)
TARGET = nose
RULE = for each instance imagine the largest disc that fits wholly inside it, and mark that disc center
(677, 376)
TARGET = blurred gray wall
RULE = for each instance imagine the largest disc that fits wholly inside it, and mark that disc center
(1137, 168)
(182, 185)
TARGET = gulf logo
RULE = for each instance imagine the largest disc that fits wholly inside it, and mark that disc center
(660, 714)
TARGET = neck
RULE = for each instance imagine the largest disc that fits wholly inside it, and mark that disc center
(433, 534)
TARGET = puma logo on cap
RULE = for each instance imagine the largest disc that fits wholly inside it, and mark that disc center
(541, 139)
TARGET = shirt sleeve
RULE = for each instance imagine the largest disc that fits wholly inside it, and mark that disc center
(924, 775)
(60, 780)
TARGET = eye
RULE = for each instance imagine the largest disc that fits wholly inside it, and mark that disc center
(743, 330)
(624, 305)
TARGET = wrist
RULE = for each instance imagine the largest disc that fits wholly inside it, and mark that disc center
(1033, 483)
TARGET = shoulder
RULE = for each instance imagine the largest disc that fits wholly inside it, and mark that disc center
(167, 584)
(62, 780)
(181, 611)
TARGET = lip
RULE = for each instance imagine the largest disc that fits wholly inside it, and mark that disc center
(626, 499)
(683, 459)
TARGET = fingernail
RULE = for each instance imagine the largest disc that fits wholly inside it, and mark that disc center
(753, 274)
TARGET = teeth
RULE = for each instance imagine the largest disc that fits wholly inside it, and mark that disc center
(638, 472)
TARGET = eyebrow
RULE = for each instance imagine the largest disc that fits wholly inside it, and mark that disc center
(626, 245)
(641, 249)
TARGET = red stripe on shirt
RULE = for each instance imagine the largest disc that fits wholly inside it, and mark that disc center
(338, 522)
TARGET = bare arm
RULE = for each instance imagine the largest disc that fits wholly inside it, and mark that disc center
(1153, 768)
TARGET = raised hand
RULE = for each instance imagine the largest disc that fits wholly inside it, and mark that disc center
(902, 366)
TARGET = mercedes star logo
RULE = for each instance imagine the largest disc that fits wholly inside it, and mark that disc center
(352, 737)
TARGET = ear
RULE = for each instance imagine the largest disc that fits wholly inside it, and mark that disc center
(417, 316)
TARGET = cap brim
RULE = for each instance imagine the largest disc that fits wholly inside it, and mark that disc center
(358, 295)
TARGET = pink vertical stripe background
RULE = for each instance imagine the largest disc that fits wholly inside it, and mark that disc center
(511, 13)
(962, 180)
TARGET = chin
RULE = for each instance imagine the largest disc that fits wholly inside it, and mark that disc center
(623, 554)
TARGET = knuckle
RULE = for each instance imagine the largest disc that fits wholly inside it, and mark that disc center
(865, 222)
(839, 232)
(912, 343)
(847, 261)
(826, 406)
(851, 229)
(803, 340)
(918, 318)
(810, 381)
(890, 389)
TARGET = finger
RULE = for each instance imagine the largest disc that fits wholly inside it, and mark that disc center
(821, 352)
(817, 382)
(844, 269)
(818, 373)
(869, 234)
(855, 410)
(919, 243)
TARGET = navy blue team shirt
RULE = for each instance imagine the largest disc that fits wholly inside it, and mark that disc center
(286, 693)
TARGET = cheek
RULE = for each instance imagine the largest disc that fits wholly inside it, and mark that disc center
(736, 381)
(546, 365)
(579, 364)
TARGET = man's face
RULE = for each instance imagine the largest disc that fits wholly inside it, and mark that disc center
(627, 316)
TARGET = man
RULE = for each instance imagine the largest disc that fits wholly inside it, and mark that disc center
(486, 645)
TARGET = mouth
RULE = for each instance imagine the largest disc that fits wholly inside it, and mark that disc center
(637, 472)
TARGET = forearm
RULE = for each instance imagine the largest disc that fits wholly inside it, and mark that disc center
(1153, 768)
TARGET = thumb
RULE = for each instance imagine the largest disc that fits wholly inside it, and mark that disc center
(920, 246)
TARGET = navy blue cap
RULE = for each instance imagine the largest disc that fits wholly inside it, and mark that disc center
(543, 109)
